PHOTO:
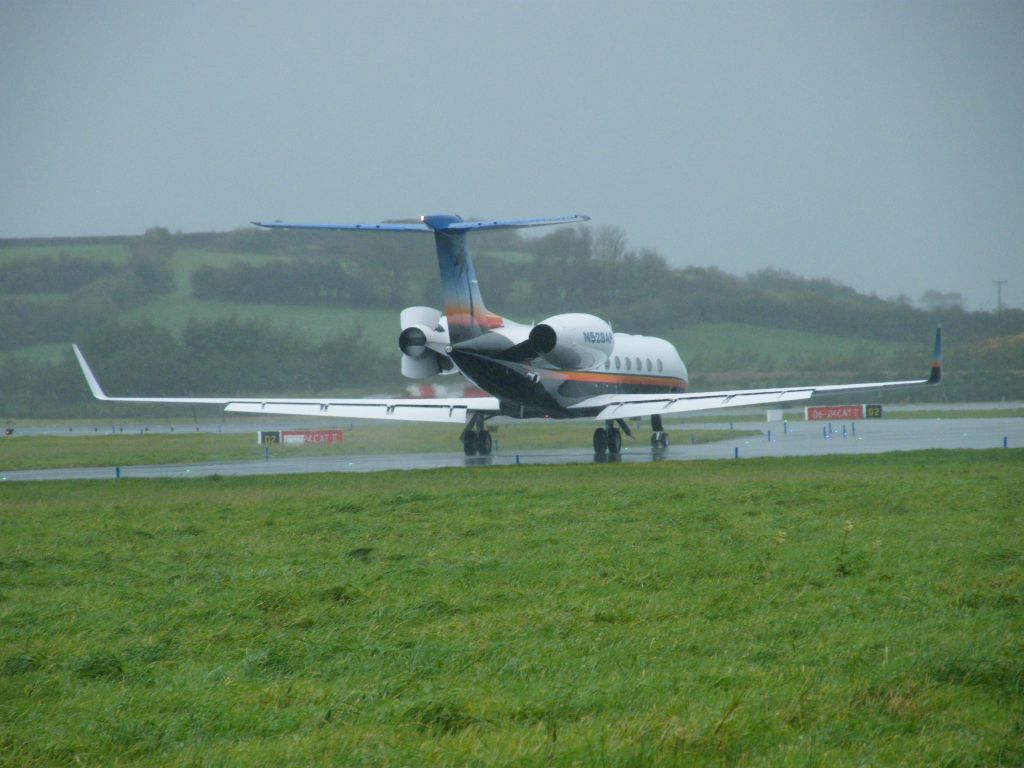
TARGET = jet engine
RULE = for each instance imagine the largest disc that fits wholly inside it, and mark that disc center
(422, 341)
(573, 340)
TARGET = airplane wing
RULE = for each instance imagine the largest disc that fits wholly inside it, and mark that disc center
(444, 410)
(608, 407)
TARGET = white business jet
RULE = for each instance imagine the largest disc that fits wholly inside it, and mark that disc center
(570, 366)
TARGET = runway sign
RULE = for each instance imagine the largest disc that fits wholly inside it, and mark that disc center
(841, 412)
(834, 412)
(302, 437)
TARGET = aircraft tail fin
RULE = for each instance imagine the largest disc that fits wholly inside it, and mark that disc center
(463, 305)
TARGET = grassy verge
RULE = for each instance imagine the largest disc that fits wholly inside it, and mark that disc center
(967, 413)
(891, 412)
(106, 450)
(826, 611)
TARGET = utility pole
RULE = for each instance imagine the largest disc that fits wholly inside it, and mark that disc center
(999, 295)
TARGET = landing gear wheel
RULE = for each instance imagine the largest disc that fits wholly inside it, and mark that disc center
(600, 441)
(483, 443)
(469, 444)
(614, 441)
(659, 437)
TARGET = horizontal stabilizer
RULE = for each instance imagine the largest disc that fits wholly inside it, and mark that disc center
(369, 227)
(472, 226)
(438, 223)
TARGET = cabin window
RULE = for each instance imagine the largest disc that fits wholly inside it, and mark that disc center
(607, 364)
(659, 366)
(629, 364)
(617, 365)
(649, 366)
(639, 365)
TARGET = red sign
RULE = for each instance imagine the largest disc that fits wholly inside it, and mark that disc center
(317, 436)
(833, 412)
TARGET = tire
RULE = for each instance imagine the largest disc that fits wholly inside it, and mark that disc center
(600, 441)
(484, 443)
(614, 441)
(664, 440)
(469, 445)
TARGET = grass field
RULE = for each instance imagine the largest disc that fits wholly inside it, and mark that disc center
(112, 450)
(717, 345)
(185, 261)
(116, 253)
(827, 611)
(39, 353)
(380, 326)
(317, 322)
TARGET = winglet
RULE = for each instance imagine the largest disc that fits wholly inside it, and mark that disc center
(90, 377)
(936, 375)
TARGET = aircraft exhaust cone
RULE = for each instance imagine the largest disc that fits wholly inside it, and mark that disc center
(543, 338)
(412, 342)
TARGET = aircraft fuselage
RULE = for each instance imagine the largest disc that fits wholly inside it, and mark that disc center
(533, 388)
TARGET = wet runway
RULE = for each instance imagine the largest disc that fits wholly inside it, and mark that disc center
(235, 425)
(800, 439)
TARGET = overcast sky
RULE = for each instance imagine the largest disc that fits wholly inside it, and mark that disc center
(877, 143)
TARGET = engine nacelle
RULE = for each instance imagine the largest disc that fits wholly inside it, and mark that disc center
(413, 340)
(573, 340)
(422, 341)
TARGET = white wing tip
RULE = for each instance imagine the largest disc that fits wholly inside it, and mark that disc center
(90, 377)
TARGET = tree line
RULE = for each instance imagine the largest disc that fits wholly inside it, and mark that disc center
(213, 358)
(49, 299)
(587, 270)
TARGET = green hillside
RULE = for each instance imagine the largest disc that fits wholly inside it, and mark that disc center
(716, 345)
(12, 250)
(184, 262)
(198, 313)
(709, 345)
(380, 326)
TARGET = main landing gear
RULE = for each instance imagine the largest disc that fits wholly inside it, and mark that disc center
(659, 437)
(607, 439)
(475, 438)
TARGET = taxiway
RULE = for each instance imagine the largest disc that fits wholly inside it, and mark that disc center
(798, 439)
